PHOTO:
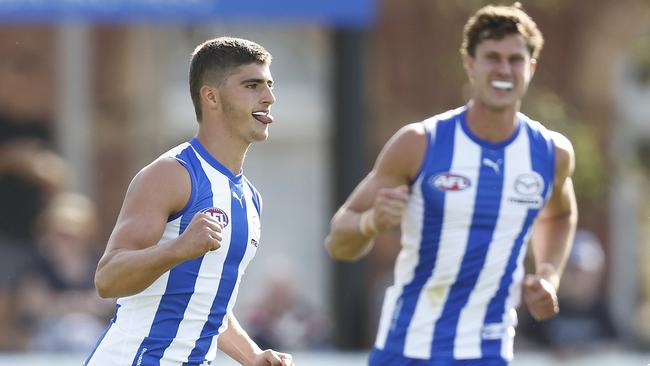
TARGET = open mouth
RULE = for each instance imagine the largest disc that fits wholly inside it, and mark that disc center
(502, 85)
(263, 117)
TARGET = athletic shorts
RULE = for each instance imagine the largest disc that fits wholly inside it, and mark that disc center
(383, 358)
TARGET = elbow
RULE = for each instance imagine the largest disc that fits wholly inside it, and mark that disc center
(341, 252)
(343, 243)
(102, 286)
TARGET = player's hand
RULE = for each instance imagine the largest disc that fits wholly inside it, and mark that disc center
(273, 358)
(202, 235)
(389, 207)
(540, 297)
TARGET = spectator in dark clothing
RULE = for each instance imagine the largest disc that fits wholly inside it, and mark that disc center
(56, 306)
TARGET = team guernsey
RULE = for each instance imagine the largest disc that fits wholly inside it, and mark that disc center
(464, 235)
(177, 320)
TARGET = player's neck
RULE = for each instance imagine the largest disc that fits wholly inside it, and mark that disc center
(228, 151)
(489, 124)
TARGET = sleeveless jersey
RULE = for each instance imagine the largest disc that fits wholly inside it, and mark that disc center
(177, 320)
(464, 234)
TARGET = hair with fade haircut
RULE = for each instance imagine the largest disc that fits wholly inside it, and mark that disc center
(496, 22)
(214, 60)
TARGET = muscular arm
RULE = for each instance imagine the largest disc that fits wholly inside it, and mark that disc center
(132, 260)
(236, 343)
(552, 237)
(381, 195)
(555, 226)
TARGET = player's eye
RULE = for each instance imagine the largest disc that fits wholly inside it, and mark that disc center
(516, 59)
(492, 57)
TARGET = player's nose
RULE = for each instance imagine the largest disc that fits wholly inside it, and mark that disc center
(268, 97)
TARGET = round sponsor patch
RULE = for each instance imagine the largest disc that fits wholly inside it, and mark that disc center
(529, 184)
(218, 214)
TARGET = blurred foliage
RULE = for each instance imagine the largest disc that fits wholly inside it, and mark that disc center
(549, 109)
(640, 57)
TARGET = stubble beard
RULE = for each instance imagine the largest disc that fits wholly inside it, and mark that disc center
(235, 123)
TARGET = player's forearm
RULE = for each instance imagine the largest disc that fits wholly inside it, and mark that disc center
(126, 272)
(345, 240)
(236, 343)
(551, 241)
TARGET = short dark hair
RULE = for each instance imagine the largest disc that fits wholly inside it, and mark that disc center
(496, 22)
(213, 61)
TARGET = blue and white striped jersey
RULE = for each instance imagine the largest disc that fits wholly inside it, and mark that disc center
(464, 234)
(176, 320)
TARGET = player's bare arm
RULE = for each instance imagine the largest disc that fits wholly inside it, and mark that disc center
(236, 343)
(377, 203)
(553, 234)
(132, 261)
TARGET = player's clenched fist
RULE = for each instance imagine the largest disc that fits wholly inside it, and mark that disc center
(387, 210)
(540, 297)
(273, 358)
(202, 235)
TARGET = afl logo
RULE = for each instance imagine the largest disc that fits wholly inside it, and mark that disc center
(218, 214)
(450, 182)
(529, 184)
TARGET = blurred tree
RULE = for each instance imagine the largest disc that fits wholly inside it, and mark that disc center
(589, 178)
(640, 55)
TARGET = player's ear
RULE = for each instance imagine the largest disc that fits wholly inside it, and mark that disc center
(533, 66)
(210, 96)
(468, 64)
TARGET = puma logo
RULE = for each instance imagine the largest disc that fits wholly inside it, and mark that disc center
(495, 165)
(235, 196)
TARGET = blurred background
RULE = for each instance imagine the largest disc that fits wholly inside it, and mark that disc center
(92, 91)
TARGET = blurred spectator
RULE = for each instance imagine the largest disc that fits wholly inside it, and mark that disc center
(29, 176)
(56, 307)
(280, 318)
(583, 322)
(13, 128)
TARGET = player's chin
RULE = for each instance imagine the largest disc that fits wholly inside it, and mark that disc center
(259, 136)
(501, 104)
